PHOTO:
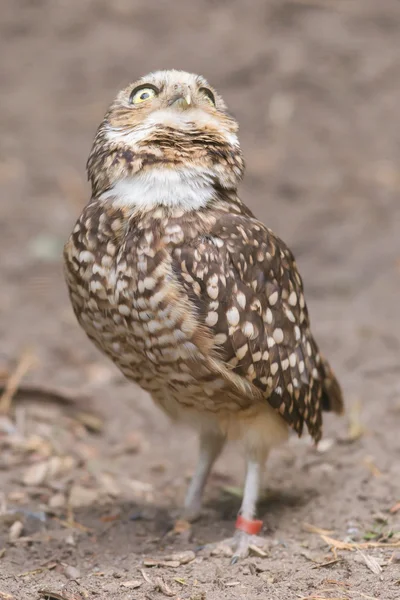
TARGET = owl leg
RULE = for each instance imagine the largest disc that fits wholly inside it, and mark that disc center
(246, 526)
(211, 445)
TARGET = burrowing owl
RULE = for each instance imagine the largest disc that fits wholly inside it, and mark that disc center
(173, 277)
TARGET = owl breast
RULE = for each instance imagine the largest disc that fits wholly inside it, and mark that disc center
(130, 304)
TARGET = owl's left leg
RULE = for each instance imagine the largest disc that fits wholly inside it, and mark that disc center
(247, 527)
(211, 444)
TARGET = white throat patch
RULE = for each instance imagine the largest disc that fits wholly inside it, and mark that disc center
(187, 188)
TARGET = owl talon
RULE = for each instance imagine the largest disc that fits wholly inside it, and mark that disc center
(237, 547)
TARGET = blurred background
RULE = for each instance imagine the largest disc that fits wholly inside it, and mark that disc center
(315, 86)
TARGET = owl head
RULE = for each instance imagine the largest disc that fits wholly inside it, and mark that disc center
(169, 126)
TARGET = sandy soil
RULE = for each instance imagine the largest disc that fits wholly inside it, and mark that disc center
(315, 85)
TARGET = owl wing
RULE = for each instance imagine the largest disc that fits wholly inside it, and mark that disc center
(246, 289)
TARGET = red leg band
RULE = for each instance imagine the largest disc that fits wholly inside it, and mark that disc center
(251, 527)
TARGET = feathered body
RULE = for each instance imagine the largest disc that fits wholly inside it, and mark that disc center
(173, 277)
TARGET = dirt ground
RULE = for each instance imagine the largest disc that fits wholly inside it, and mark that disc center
(91, 474)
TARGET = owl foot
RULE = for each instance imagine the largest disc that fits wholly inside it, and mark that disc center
(239, 546)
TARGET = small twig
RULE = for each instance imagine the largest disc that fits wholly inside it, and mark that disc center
(327, 564)
(73, 525)
(77, 405)
(314, 529)
(338, 545)
(47, 394)
(25, 364)
(47, 595)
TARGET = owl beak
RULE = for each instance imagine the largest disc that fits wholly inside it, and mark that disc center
(182, 101)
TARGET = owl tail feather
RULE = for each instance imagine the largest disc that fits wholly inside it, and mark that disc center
(332, 397)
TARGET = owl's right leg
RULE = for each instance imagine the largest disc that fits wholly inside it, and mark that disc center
(211, 444)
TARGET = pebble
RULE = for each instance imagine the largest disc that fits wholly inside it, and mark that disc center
(131, 584)
(70, 540)
(72, 572)
(81, 496)
(36, 474)
(57, 501)
(15, 531)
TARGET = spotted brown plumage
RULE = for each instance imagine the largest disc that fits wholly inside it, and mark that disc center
(194, 299)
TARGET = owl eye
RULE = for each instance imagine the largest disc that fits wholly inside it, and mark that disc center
(143, 93)
(209, 96)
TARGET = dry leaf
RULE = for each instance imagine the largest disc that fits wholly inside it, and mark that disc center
(183, 558)
(146, 577)
(173, 564)
(161, 586)
(150, 562)
(371, 563)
